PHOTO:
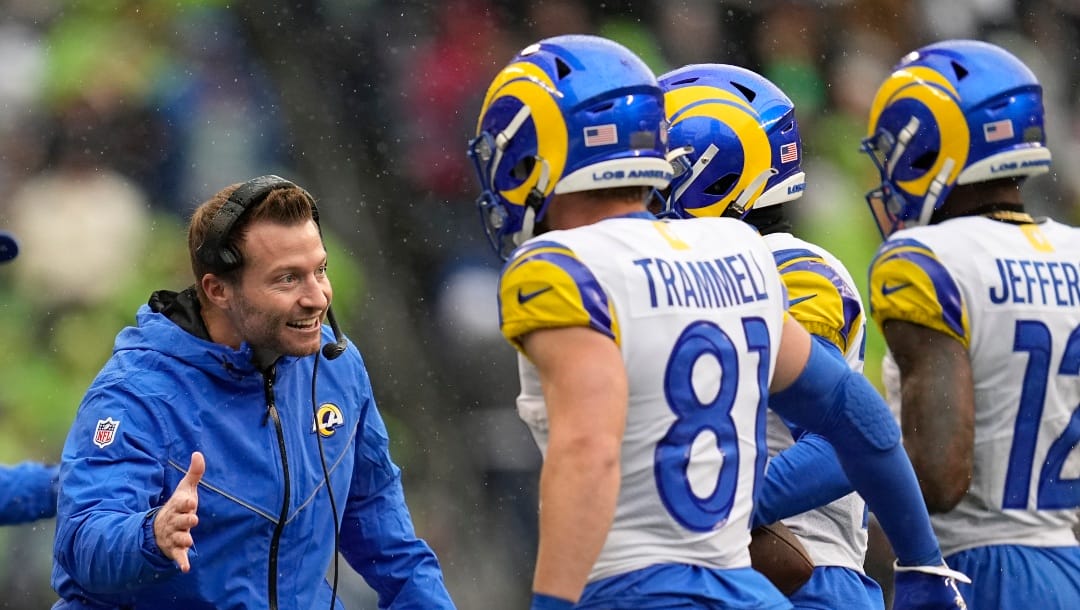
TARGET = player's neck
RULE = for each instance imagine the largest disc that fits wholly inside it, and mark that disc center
(769, 220)
(572, 210)
(998, 199)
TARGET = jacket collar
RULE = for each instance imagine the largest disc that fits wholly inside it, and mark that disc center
(189, 339)
(182, 308)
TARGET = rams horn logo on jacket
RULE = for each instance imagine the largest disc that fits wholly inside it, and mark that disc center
(327, 418)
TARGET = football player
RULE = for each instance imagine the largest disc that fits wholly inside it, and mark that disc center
(648, 349)
(739, 155)
(980, 307)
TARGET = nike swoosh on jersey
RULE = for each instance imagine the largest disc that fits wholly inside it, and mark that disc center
(886, 289)
(794, 302)
(525, 297)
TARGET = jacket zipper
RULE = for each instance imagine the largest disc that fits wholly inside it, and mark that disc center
(272, 412)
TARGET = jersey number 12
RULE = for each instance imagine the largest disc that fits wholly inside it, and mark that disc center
(1053, 492)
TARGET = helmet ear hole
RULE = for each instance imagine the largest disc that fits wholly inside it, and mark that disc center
(723, 185)
(925, 161)
(523, 168)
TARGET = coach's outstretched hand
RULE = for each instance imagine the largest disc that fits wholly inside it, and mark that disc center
(173, 522)
(927, 588)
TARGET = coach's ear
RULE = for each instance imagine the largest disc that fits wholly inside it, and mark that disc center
(778, 554)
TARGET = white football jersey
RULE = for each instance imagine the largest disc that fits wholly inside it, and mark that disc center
(1011, 295)
(696, 307)
(823, 298)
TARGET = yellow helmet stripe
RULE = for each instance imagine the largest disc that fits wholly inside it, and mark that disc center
(677, 100)
(713, 103)
(532, 87)
(900, 79)
(521, 69)
(933, 90)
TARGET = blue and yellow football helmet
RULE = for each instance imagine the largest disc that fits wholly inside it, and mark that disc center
(733, 139)
(569, 113)
(954, 112)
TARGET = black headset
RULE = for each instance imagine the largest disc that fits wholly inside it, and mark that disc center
(216, 254)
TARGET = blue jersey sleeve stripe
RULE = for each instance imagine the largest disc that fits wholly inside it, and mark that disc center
(850, 301)
(783, 256)
(907, 242)
(517, 258)
(593, 297)
(948, 293)
(537, 245)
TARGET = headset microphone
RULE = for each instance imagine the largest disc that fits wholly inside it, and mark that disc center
(337, 348)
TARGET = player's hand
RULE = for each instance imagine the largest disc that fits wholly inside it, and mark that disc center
(927, 588)
(174, 520)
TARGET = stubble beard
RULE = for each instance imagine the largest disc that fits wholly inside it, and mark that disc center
(264, 331)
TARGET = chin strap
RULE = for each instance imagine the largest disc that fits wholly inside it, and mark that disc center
(933, 194)
(902, 140)
(740, 207)
(528, 224)
(534, 203)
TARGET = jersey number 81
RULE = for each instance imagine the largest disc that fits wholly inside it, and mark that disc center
(693, 417)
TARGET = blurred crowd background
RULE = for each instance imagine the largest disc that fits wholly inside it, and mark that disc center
(117, 117)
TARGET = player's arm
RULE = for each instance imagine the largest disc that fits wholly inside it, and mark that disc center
(923, 314)
(815, 390)
(938, 413)
(802, 477)
(27, 492)
(556, 312)
(586, 393)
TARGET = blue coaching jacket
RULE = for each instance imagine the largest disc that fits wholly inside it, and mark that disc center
(265, 534)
